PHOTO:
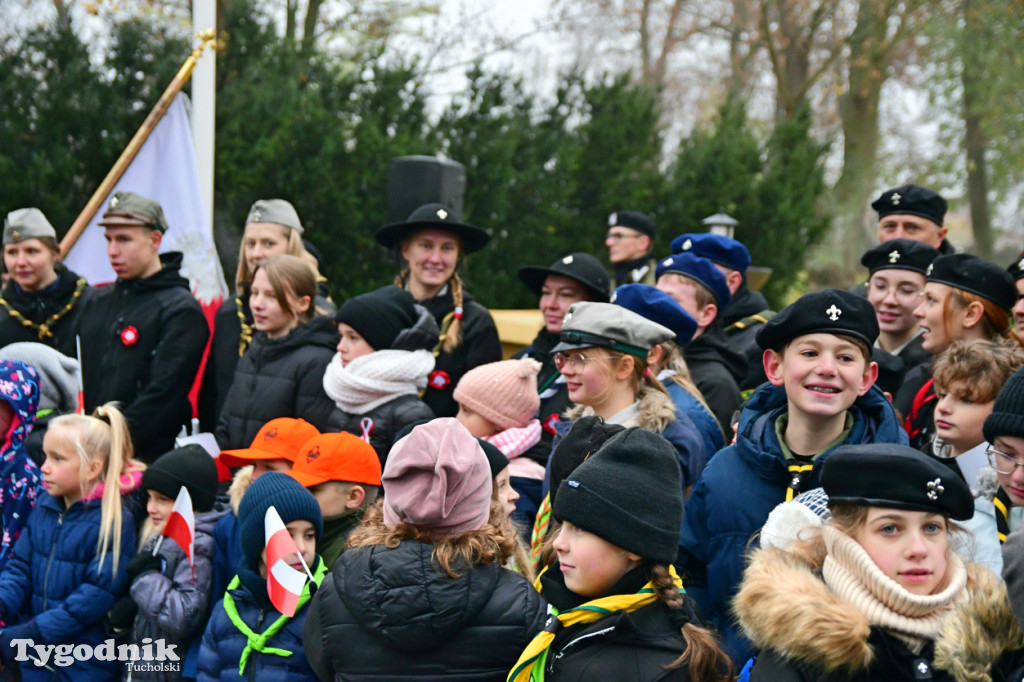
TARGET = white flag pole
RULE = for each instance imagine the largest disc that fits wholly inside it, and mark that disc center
(204, 94)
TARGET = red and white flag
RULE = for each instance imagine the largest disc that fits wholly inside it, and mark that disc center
(181, 524)
(284, 583)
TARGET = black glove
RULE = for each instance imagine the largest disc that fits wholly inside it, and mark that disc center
(122, 615)
(142, 562)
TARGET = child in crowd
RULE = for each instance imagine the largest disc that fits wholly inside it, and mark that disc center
(666, 359)
(342, 472)
(169, 597)
(437, 540)
(281, 373)
(247, 637)
(820, 395)
(620, 606)
(498, 402)
(603, 357)
(505, 496)
(68, 567)
(20, 481)
(381, 367)
(274, 448)
(863, 596)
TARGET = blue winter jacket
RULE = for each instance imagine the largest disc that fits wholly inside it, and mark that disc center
(20, 481)
(705, 422)
(54, 586)
(740, 487)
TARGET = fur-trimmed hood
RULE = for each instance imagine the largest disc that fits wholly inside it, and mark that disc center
(654, 413)
(783, 605)
(239, 484)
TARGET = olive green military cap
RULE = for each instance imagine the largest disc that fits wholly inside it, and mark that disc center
(27, 223)
(588, 324)
(276, 211)
(128, 209)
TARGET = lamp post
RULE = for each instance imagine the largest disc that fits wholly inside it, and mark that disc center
(721, 224)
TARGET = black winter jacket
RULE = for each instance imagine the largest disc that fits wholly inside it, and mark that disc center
(39, 306)
(480, 345)
(389, 614)
(281, 377)
(142, 341)
(717, 367)
(386, 420)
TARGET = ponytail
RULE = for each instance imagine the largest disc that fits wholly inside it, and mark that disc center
(451, 326)
(706, 660)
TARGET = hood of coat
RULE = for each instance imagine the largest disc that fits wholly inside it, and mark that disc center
(874, 420)
(239, 484)
(19, 388)
(745, 302)
(319, 332)
(654, 413)
(714, 346)
(401, 596)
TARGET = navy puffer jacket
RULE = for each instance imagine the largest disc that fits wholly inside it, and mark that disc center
(54, 589)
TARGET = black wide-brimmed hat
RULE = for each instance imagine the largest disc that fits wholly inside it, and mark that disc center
(579, 266)
(433, 217)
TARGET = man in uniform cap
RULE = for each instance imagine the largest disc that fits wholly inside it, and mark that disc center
(629, 239)
(143, 337)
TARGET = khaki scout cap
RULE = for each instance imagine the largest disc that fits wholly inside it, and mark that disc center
(27, 223)
(588, 324)
(128, 209)
(276, 211)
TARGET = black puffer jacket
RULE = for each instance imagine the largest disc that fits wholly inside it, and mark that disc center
(39, 306)
(386, 421)
(480, 345)
(281, 377)
(388, 614)
(717, 367)
(142, 341)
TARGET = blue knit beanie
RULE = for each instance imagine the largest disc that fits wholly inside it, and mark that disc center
(285, 494)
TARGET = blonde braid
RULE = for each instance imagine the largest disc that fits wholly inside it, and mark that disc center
(402, 278)
(453, 335)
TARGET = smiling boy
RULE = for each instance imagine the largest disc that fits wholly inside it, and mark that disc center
(820, 395)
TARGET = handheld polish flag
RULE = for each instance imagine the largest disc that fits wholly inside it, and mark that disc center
(181, 527)
(284, 583)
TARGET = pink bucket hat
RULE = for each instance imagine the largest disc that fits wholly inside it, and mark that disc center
(504, 393)
(437, 478)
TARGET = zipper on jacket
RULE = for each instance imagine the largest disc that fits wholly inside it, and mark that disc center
(49, 560)
(582, 638)
(252, 658)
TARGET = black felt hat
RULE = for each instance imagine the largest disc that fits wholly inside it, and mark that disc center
(899, 254)
(830, 311)
(911, 200)
(976, 275)
(433, 217)
(628, 493)
(579, 266)
(586, 437)
(896, 477)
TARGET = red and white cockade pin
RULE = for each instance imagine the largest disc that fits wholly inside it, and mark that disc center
(439, 379)
(129, 335)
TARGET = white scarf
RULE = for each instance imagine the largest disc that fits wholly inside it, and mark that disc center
(374, 379)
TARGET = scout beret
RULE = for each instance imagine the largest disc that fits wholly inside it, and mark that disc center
(700, 270)
(715, 247)
(588, 324)
(27, 223)
(911, 200)
(1016, 268)
(657, 306)
(579, 266)
(128, 209)
(899, 254)
(830, 311)
(896, 477)
(634, 220)
(276, 211)
(436, 217)
(976, 275)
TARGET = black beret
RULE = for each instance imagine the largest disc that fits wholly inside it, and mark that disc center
(911, 200)
(830, 311)
(976, 275)
(1016, 268)
(899, 254)
(896, 477)
(634, 220)
(578, 266)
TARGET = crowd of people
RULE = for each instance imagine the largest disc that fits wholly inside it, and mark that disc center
(671, 482)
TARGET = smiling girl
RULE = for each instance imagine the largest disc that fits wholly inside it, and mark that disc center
(281, 373)
(863, 596)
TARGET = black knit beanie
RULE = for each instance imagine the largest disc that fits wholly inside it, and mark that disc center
(285, 494)
(628, 493)
(1007, 418)
(379, 316)
(586, 437)
(190, 466)
(495, 457)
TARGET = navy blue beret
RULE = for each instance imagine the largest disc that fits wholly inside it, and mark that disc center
(699, 269)
(657, 306)
(715, 247)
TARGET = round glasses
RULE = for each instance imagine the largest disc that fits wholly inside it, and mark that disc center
(576, 360)
(1002, 462)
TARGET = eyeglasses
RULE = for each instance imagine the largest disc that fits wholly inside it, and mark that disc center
(576, 360)
(619, 236)
(1002, 462)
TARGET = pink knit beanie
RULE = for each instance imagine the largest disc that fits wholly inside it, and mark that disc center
(504, 393)
(437, 478)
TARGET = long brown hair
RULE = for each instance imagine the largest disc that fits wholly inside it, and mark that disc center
(995, 321)
(291, 278)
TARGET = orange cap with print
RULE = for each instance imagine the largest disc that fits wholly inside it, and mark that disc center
(336, 457)
(280, 438)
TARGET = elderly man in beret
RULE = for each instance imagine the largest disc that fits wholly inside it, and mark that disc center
(143, 337)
